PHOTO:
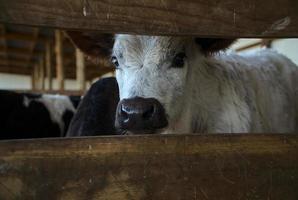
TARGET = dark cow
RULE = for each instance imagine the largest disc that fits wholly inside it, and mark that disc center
(96, 112)
(25, 115)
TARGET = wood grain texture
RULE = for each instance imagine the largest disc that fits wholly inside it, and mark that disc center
(60, 69)
(220, 18)
(80, 69)
(49, 64)
(151, 167)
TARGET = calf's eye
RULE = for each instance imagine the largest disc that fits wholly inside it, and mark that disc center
(115, 61)
(179, 60)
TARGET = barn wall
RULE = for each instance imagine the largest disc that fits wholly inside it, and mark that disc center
(12, 81)
(244, 42)
(22, 82)
(69, 84)
(288, 47)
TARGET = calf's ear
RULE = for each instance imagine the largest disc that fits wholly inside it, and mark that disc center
(91, 43)
(210, 45)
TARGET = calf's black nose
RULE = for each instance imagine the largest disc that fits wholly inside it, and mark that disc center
(139, 113)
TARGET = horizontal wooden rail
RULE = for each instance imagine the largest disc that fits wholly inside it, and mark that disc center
(185, 167)
(262, 43)
(223, 18)
(64, 92)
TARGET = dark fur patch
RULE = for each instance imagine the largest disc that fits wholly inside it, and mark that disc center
(210, 45)
(66, 117)
(93, 44)
(75, 100)
(19, 121)
(32, 95)
(96, 112)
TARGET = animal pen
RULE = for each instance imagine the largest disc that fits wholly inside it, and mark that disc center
(225, 166)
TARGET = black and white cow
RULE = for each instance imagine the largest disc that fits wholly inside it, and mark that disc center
(24, 115)
(188, 85)
(96, 112)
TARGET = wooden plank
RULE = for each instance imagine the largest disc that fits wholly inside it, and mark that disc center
(223, 18)
(65, 92)
(23, 52)
(4, 41)
(14, 69)
(16, 62)
(20, 51)
(41, 66)
(80, 69)
(151, 167)
(32, 45)
(17, 36)
(48, 61)
(32, 79)
(262, 43)
(59, 59)
(19, 66)
(25, 37)
(36, 73)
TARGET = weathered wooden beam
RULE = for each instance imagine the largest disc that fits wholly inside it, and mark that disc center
(65, 92)
(80, 69)
(4, 41)
(14, 69)
(59, 59)
(48, 61)
(32, 45)
(23, 53)
(19, 51)
(24, 37)
(69, 69)
(224, 18)
(30, 38)
(262, 43)
(70, 73)
(41, 66)
(36, 77)
(16, 62)
(151, 167)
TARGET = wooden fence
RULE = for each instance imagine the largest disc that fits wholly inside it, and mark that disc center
(222, 18)
(154, 167)
(151, 167)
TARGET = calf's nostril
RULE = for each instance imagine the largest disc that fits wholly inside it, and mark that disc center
(124, 114)
(148, 113)
(139, 114)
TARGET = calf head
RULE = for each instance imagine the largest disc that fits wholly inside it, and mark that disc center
(153, 74)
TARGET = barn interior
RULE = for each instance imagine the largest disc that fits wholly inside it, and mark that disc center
(45, 60)
(39, 59)
(42, 60)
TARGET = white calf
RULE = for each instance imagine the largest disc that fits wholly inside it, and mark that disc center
(186, 85)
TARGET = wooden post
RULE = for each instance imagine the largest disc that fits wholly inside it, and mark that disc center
(33, 82)
(49, 65)
(59, 59)
(36, 77)
(42, 73)
(80, 65)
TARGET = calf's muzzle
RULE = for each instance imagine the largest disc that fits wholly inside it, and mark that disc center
(140, 114)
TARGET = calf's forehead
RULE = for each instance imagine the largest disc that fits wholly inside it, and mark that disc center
(139, 43)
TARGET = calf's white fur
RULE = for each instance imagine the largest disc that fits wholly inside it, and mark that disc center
(220, 93)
